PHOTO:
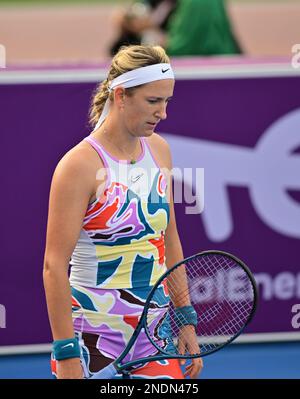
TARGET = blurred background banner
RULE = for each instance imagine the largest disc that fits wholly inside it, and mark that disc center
(237, 119)
(75, 31)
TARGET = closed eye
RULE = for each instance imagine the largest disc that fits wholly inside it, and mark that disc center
(156, 100)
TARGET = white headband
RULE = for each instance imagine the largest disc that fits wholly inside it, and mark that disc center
(134, 78)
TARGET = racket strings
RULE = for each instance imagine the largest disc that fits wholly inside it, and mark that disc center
(219, 290)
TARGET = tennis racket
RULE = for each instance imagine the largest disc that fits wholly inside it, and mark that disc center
(217, 291)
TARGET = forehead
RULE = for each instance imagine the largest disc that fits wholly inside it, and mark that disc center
(159, 88)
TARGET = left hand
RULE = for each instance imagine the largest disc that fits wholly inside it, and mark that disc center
(187, 342)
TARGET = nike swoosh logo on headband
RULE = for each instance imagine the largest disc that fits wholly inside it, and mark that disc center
(165, 70)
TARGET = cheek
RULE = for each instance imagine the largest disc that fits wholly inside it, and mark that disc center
(134, 120)
(138, 114)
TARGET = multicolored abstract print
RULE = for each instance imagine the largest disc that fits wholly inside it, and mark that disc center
(119, 255)
(113, 316)
(121, 244)
(105, 319)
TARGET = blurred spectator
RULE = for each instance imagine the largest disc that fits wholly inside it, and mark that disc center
(183, 27)
(141, 20)
(201, 27)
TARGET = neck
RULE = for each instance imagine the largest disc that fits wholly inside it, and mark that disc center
(119, 141)
(120, 137)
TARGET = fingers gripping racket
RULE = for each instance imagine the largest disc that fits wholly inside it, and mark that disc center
(223, 295)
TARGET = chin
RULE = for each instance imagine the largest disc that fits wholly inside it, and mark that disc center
(145, 133)
(148, 132)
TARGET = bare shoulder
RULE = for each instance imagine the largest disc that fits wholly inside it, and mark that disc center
(161, 150)
(79, 164)
(158, 142)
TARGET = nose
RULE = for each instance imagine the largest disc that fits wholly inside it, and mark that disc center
(162, 112)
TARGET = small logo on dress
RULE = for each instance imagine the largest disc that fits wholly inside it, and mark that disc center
(136, 178)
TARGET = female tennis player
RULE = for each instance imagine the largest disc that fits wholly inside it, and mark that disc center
(111, 218)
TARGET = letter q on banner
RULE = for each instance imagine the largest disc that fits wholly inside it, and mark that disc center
(296, 317)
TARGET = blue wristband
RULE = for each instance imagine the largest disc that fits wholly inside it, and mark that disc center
(66, 348)
(186, 315)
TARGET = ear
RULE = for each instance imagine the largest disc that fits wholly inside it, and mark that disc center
(119, 95)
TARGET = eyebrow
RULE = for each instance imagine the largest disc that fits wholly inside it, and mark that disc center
(160, 98)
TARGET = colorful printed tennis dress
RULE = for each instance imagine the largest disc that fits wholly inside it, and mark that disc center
(119, 255)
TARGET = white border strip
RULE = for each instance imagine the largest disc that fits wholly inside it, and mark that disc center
(242, 339)
(51, 76)
(25, 349)
(195, 72)
(268, 337)
(237, 71)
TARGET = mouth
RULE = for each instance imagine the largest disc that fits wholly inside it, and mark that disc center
(152, 124)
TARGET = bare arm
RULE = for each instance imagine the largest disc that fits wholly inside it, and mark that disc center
(174, 253)
(137, 20)
(71, 188)
(178, 285)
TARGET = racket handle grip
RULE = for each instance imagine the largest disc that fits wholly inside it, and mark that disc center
(106, 373)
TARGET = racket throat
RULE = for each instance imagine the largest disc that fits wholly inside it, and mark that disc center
(126, 374)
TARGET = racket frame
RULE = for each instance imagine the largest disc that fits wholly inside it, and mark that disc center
(142, 322)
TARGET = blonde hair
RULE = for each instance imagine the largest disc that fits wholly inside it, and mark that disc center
(127, 59)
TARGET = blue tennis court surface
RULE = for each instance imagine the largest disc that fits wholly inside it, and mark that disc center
(273, 360)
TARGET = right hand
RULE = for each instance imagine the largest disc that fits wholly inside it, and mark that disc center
(69, 369)
(187, 342)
